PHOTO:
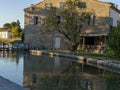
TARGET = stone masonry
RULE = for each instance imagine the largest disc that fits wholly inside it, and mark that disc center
(38, 38)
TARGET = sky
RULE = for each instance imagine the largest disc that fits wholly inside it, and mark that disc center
(13, 10)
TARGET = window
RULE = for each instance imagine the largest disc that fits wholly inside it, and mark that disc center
(81, 4)
(62, 4)
(88, 20)
(58, 19)
(47, 5)
(35, 20)
(33, 8)
(111, 21)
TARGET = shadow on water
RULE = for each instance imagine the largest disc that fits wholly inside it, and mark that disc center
(54, 73)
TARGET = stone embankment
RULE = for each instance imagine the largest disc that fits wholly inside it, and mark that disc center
(105, 64)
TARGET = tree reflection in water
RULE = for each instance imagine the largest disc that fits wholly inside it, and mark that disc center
(14, 55)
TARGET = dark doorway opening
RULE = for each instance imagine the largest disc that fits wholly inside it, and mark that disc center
(89, 40)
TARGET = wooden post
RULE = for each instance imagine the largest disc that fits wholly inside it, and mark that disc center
(83, 40)
(105, 40)
(83, 44)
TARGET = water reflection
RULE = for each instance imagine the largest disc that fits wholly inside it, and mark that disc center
(45, 73)
(11, 66)
(54, 73)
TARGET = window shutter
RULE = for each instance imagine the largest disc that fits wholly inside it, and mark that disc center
(33, 20)
(39, 20)
(92, 20)
(111, 21)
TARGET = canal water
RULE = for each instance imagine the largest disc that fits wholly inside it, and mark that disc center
(54, 73)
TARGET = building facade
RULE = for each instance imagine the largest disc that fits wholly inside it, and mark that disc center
(114, 16)
(93, 35)
(4, 34)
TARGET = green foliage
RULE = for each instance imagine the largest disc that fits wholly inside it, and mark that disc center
(7, 25)
(113, 83)
(13, 24)
(15, 31)
(50, 21)
(109, 52)
(15, 28)
(22, 36)
(114, 40)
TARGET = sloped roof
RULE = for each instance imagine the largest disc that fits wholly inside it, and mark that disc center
(33, 5)
(115, 9)
(95, 31)
(4, 30)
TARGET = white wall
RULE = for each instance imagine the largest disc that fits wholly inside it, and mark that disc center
(115, 15)
(4, 34)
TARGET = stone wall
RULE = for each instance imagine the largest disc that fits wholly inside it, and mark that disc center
(43, 40)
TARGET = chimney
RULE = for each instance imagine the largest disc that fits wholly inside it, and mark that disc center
(116, 6)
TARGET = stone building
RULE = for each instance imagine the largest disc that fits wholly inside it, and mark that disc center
(93, 34)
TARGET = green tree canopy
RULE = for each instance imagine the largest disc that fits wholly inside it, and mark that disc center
(19, 27)
(67, 21)
(15, 31)
(15, 28)
(114, 40)
(7, 25)
(13, 24)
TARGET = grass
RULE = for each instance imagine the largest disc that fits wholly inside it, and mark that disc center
(11, 40)
(86, 54)
(77, 53)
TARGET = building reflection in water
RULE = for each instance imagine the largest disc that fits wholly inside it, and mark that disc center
(54, 73)
(45, 73)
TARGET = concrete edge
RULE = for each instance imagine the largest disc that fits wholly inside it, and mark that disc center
(101, 63)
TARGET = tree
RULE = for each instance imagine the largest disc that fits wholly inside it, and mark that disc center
(13, 24)
(114, 40)
(15, 28)
(15, 31)
(22, 36)
(67, 21)
(19, 27)
(7, 25)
